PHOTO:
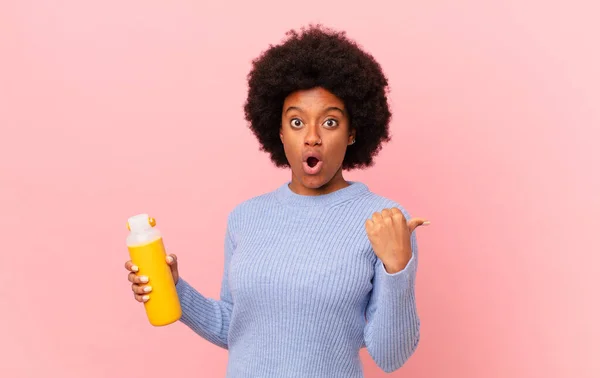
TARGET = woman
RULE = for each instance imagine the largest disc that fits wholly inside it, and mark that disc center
(319, 267)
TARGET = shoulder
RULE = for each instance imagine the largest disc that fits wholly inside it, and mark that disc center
(250, 208)
(376, 203)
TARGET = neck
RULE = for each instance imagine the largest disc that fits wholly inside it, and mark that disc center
(287, 196)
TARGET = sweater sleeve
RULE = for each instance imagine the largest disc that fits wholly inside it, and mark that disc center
(393, 327)
(208, 317)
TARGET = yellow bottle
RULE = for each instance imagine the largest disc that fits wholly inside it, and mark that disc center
(147, 251)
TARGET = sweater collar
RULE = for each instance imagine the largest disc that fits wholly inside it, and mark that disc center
(286, 196)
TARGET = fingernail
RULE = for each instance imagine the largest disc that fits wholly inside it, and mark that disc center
(147, 289)
(134, 268)
(145, 298)
(169, 259)
(144, 279)
(426, 223)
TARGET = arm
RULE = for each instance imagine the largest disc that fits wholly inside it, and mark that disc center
(208, 317)
(393, 326)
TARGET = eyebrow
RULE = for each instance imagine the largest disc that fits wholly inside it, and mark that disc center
(326, 110)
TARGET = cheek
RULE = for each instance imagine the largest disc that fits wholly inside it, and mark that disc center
(340, 147)
(290, 147)
(336, 154)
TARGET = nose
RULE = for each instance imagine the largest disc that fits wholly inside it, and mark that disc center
(312, 137)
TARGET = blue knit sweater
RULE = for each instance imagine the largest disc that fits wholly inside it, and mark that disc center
(303, 291)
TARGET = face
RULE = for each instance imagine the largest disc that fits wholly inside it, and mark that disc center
(315, 133)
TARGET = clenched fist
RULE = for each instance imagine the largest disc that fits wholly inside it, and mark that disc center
(389, 234)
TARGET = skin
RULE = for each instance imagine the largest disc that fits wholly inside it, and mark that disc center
(315, 119)
(389, 233)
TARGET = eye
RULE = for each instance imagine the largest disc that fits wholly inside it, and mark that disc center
(296, 123)
(331, 122)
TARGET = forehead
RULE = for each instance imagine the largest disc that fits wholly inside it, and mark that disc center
(314, 98)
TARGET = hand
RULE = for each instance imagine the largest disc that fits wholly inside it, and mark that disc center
(138, 283)
(389, 234)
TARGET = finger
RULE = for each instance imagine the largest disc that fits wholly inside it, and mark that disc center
(416, 222)
(376, 217)
(369, 224)
(134, 278)
(386, 217)
(131, 267)
(141, 289)
(171, 259)
(397, 213)
(141, 298)
(398, 217)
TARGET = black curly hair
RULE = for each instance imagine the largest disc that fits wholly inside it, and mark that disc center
(319, 57)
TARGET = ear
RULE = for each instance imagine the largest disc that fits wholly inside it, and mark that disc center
(352, 136)
(281, 135)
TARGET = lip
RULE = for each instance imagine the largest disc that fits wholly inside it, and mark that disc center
(312, 170)
(309, 154)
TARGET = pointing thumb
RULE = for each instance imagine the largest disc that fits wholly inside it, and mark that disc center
(416, 222)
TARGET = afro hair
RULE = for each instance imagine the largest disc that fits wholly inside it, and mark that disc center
(319, 57)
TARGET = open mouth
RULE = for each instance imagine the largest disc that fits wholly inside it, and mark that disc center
(312, 161)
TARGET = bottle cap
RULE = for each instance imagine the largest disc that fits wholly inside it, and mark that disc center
(140, 222)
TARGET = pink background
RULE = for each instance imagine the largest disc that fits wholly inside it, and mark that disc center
(110, 108)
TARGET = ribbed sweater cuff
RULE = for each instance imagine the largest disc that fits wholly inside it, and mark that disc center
(190, 301)
(400, 280)
(201, 314)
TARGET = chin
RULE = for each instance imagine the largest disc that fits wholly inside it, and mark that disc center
(314, 182)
